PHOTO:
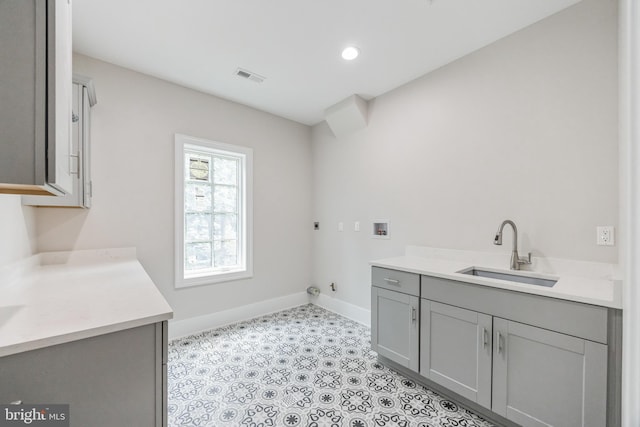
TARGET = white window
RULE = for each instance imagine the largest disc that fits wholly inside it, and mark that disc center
(213, 211)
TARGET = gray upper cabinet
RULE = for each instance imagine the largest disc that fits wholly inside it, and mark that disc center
(543, 378)
(455, 350)
(35, 97)
(394, 314)
(84, 98)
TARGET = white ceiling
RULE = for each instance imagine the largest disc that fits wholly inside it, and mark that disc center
(295, 44)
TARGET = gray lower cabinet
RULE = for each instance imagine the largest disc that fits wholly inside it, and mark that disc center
(523, 359)
(394, 314)
(116, 379)
(529, 375)
(455, 350)
(544, 378)
(395, 333)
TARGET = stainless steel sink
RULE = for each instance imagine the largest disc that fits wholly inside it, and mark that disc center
(499, 275)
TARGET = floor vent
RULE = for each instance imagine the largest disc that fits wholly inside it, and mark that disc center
(246, 74)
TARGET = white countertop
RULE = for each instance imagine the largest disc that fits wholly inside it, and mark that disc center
(60, 297)
(585, 282)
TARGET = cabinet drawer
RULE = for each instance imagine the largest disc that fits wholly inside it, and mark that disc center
(568, 317)
(399, 281)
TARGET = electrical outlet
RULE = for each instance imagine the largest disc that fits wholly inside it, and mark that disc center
(605, 235)
(356, 226)
(340, 226)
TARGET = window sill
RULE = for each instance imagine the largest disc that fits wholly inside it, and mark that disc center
(213, 278)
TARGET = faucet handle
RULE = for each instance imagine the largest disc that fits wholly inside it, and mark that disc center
(523, 260)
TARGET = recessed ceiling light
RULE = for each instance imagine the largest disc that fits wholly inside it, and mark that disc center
(350, 52)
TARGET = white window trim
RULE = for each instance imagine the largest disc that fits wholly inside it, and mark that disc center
(182, 141)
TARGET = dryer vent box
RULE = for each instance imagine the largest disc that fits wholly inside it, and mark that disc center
(347, 116)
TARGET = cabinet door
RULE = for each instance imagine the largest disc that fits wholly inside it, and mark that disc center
(108, 380)
(455, 350)
(35, 88)
(84, 144)
(394, 326)
(59, 91)
(162, 342)
(544, 378)
(79, 197)
(23, 79)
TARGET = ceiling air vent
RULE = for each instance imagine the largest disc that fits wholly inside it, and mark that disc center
(246, 74)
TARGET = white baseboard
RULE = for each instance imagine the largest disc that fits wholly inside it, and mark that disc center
(193, 325)
(346, 309)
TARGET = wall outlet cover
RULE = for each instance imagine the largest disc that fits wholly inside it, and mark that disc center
(605, 235)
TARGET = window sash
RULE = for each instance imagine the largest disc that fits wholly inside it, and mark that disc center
(227, 241)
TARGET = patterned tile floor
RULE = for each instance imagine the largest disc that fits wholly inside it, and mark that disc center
(300, 367)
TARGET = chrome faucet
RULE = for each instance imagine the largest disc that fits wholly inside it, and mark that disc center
(516, 260)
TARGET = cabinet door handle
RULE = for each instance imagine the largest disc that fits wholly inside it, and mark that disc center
(16, 402)
(414, 314)
(394, 281)
(500, 346)
(485, 338)
(75, 160)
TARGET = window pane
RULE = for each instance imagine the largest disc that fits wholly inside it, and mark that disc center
(225, 171)
(197, 197)
(197, 256)
(225, 226)
(197, 227)
(225, 253)
(225, 199)
(197, 167)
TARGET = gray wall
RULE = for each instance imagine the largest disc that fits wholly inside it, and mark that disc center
(17, 230)
(525, 129)
(133, 141)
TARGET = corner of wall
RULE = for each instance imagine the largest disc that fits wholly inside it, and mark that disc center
(17, 229)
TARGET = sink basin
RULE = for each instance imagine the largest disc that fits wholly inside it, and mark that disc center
(511, 277)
